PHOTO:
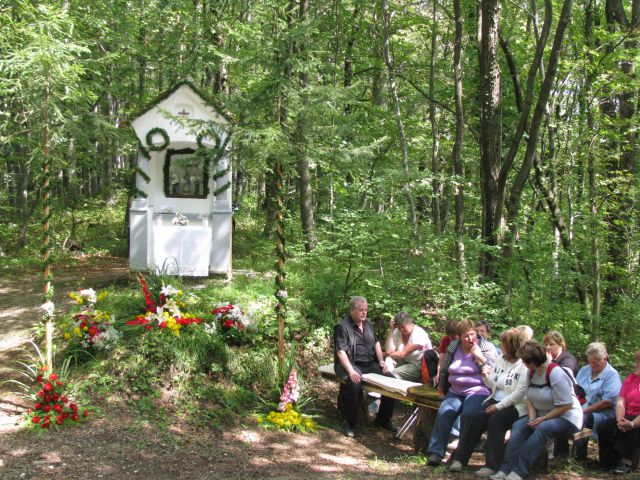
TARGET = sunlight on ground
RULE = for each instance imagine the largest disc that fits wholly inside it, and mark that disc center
(250, 437)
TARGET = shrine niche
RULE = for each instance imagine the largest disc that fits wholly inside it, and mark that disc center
(181, 216)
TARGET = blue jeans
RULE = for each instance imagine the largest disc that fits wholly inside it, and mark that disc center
(452, 406)
(527, 444)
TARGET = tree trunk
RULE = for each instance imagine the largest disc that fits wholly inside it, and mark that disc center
(457, 146)
(305, 191)
(490, 129)
(435, 134)
(393, 90)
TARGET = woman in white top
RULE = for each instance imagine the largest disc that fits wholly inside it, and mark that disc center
(405, 346)
(508, 381)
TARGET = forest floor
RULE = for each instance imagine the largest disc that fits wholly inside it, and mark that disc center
(118, 444)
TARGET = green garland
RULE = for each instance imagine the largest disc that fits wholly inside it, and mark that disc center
(145, 153)
(209, 132)
(143, 174)
(149, 139)
(139, 193)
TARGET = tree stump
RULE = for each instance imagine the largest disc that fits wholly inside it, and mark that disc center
(424, 426)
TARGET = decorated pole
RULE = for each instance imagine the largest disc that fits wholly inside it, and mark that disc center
(281, 292)
(47, 289)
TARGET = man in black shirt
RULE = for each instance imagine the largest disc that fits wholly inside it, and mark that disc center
(358, 351)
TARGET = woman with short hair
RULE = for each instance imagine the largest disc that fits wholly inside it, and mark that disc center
(460, 385)
(508, 381)
(553, 408)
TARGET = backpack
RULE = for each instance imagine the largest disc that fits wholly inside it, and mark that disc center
(577, 389)
(429, 366)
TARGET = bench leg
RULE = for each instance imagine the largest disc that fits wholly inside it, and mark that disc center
(422, 432)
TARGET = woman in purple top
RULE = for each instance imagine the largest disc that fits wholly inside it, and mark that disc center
(460, 385)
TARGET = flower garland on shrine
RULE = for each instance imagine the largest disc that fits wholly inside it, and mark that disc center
(202, 150)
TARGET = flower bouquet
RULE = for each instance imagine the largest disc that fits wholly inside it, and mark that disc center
(232, 321)
(92, 327)
(165, 312)
(51, 406)
(286, 417)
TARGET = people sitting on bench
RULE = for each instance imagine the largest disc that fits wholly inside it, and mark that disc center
(405, 345)
(460, 385)
(358, 351)
(508, 381)
(619, 436)
(601, 383)
(553, 408)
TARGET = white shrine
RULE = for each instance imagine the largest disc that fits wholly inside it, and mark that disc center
(181, 217)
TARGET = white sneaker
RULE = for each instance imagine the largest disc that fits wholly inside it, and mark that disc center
(456, 466)
(513, 476)
(485, 472)
(498, 476)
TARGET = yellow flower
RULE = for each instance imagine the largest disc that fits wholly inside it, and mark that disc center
(67, 336)
(77, 331)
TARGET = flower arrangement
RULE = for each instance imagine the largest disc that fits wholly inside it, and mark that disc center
(290, 392)
(289, 420)
(232, 321)
(166, 312)
(180, 219)
(51, 406)
(286, 417)
(92, 327)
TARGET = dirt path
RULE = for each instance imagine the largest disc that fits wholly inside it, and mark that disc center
(117, 444)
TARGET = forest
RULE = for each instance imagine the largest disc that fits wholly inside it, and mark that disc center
(438, 156)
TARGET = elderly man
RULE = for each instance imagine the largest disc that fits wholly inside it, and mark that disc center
(358, 351)
(405, 346)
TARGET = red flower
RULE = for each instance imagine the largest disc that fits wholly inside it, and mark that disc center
(48, 387)
(59, 420)
(35, 419)
(93, 330)
(58, 408)
(41, 393)
(85, 413)
(59, 384)
(39, 378)
(228, 324)
(75, 417)
(46, 408)
(53, 376)
(45, 424)
(73, 407)
(148, 327)
(138, 321)
(48, 398)
(64, 399)
(56, 397)
(38, 406)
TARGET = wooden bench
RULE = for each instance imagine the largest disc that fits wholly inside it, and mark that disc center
(425, 397)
